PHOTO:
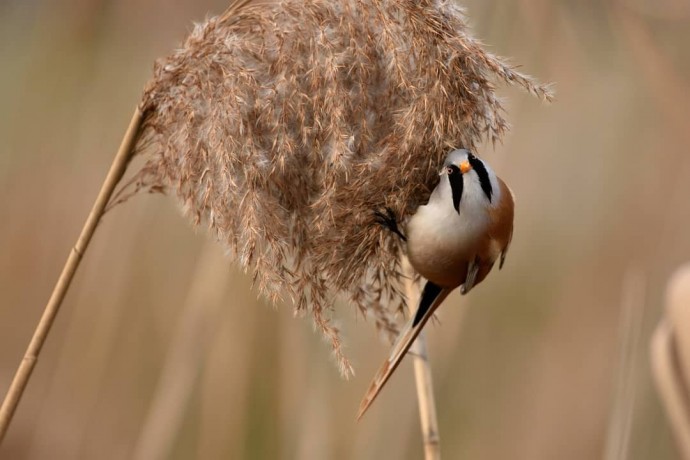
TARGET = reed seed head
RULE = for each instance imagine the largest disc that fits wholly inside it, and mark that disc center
(284, 126)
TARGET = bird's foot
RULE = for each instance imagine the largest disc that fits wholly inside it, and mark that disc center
(389, 221)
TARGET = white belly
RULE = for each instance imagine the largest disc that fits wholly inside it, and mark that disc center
(441, 242)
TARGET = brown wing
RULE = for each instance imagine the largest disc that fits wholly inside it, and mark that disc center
(499, 234)
(502, 220)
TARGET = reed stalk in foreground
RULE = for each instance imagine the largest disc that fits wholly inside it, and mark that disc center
(26, 367)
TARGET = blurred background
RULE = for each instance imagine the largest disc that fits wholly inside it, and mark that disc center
(162, 349)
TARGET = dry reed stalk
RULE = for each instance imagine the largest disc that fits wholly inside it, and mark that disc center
(423, 378)
(26, 367)
(670, 355)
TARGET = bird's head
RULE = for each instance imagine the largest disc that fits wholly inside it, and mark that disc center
(467, 175)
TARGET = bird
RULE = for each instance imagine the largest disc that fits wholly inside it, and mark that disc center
(452, 241)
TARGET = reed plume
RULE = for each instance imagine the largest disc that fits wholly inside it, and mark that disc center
(282, 127)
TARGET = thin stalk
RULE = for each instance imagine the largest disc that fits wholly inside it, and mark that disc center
(26, 367)
(422, 374)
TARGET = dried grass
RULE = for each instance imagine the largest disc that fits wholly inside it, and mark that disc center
(283, 127)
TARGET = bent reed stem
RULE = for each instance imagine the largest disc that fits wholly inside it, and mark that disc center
(26, 367)
(422, 374)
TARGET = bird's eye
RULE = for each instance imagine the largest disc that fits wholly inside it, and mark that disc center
(470, 156)
(449, 170)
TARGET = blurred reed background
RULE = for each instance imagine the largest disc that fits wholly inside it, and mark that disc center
(163, 351)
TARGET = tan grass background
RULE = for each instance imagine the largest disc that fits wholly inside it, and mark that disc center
(525, 368)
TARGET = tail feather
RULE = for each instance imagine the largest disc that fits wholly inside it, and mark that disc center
(432, 297)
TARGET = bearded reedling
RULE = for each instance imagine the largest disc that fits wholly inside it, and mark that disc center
(452, 241)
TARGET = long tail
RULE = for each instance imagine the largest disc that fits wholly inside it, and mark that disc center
(432, 297)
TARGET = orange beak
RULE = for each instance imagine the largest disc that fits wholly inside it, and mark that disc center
(465, 166)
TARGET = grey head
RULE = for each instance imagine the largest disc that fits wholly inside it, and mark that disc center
(469, 177)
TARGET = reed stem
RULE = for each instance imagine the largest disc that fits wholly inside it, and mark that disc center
(422, 373)
(26, 367)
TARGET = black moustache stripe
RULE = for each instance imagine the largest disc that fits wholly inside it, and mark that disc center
(456, 185)
(483, 174)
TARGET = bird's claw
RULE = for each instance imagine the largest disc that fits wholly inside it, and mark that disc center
(389, 221)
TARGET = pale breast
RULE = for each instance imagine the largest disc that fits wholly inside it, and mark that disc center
(441, 244)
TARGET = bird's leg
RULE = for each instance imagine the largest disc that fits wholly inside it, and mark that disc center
(389, 221)
(472, 271)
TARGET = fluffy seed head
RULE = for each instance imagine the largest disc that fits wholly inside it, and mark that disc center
(284, 126)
